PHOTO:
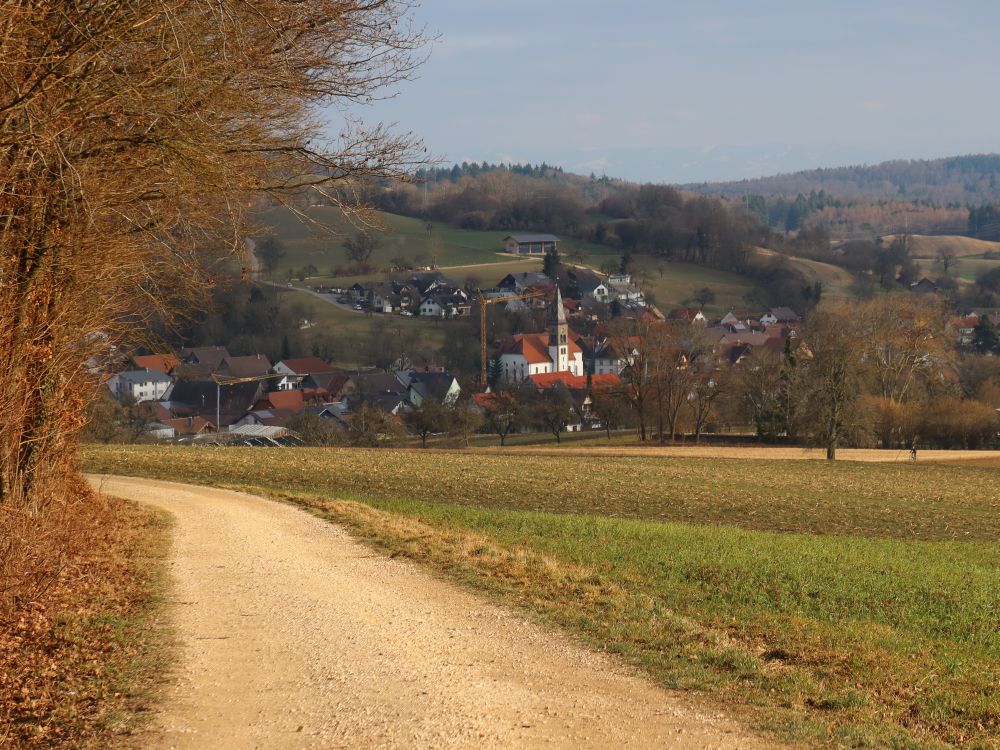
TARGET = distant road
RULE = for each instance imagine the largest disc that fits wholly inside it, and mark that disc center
(292, 635)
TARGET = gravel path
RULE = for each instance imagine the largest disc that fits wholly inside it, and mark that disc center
(294, 636)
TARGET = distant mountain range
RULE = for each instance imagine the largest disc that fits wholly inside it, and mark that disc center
(958, 181)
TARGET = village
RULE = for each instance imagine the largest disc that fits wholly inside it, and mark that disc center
(575, 371)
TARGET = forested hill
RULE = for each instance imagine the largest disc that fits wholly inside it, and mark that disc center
(961, 180)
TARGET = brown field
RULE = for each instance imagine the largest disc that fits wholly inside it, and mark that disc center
(927, 247)
(834, 279)
(782, 453)
(850, 603)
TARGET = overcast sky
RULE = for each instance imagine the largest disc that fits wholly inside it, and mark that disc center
(669, 91)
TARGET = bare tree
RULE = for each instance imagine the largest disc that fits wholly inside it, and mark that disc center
(831, 378)
(360, 246)
(135, 140)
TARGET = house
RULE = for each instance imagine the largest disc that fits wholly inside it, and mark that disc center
(330, 386)
(357, 293)
(290, 401)
(524, 281)
(159, 362)
(189, 426)
(575, 382)
(252, 366)
(531, 244)
(440, 386)
(604, 356)
(380, 389)
(198, 398)
(205, 357)
(537, 353)
(138, 386)
(782, 315)
(430, 307)
(393, 296)
(964, 328)
(689, 315)
(294, 371)
(585, 283)
(621, 288)
(446, 303)
(581, 390)
(924, 286)
(429, 281)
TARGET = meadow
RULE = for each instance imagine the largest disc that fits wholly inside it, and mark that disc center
(466, 255)
(398, 237)
(846, 604)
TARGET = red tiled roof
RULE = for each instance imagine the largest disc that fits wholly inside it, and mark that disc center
(575, 382)
(534, 347)
(159, 362)
(969, 321)
(290, 400)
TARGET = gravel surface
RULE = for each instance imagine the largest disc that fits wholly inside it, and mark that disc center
(292, 635)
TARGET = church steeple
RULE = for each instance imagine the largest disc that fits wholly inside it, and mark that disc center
(559, 335)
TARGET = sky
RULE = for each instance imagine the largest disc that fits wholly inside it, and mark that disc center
(703, 90)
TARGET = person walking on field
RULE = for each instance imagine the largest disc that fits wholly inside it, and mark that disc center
(913, 452)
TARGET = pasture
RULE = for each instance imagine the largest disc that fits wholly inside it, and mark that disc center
(928, 247)
(398, 237)
(674, 285)
(847, 603)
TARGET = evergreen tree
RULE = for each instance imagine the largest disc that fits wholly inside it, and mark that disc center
(985, 337)
(550, 265)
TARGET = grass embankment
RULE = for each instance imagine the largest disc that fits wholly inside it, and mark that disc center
(827, 602)
(79, 667)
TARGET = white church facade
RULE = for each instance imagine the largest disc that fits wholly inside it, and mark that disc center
(541, 353)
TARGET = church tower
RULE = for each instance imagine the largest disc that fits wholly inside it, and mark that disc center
(559, 335)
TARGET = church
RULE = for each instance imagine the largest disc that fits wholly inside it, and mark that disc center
(540, 353)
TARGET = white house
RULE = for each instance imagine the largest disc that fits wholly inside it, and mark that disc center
(429, 308)
(141, 385)
(539, 353)
(294, 371)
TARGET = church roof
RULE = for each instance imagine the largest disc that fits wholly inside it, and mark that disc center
(558, 311)
(534, 347)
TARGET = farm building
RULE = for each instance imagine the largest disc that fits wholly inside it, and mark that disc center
(530, 244)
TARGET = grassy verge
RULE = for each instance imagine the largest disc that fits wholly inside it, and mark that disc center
(844, 632)
(79, 668)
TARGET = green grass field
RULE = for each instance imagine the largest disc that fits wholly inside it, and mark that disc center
(465, 254)
(845, 604)
(400, 237)
(674, 284)
(968, 267)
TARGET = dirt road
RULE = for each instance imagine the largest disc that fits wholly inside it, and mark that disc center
(294, 636)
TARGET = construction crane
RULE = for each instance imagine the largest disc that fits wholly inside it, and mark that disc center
(483, 302)
(221, 380)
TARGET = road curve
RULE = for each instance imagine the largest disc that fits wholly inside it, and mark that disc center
(291, 635)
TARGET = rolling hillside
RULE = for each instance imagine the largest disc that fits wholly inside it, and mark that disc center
(836, 281)
(929, 247)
